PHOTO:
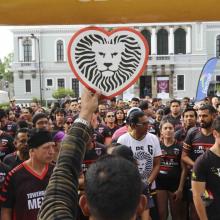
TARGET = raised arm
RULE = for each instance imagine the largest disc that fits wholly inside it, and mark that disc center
(60, 201)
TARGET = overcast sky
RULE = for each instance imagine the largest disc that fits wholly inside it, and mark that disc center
(6, 41)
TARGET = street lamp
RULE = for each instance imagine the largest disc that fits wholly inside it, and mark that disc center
(39, 66)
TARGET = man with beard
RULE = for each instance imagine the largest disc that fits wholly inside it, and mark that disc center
(189, 120)
(21, 154)
(197, 141)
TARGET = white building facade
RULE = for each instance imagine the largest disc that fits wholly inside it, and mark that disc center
(178, 52)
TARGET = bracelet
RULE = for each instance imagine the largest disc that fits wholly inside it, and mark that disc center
(81, 120)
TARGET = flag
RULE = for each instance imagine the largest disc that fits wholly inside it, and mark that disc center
(205, 78)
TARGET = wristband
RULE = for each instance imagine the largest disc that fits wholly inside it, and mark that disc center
(81, 120)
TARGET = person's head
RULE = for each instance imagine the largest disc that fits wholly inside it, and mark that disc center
(113, 102)
(3, 118)
(120, 103)
(125, 152)
(41, 146)
(40, 121)
(20, 143)
(138, 121)
(74, 105)
(175, 107)
(110, 117)
(215, 101)
(206, 115)
(34, 106)
(216, 130)
(57, 138)
(185, 102)
(155, 102)
(68, 123)
(108, 184)
(11, 115)
(102, 110)
(166, 129)
(26, 113)
(135, 102)
(119, 114)
(144, 106)
(60, 115)
(159, 115)
(189, 117)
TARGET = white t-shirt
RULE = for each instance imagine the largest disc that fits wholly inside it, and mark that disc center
(144, 151)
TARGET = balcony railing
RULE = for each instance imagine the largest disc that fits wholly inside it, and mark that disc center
(24, 66)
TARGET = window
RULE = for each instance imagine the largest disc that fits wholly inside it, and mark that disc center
(60, 52)
(218, 46)
(180, 41)
(162, 42)
(218, 78)
(27, 50)
(180, 82)
(28, 85)
(60, 83)
(49, 82)
(75, 87)
(147, 35)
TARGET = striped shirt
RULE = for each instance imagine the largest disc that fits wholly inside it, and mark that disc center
(61, 198)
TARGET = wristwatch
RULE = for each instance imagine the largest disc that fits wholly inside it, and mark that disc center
(83, 121)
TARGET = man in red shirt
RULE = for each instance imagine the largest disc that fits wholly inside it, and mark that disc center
(24, 187)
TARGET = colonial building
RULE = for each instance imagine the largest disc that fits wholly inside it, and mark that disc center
(178, 52)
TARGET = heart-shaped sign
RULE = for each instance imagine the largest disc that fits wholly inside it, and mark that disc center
(110, 61)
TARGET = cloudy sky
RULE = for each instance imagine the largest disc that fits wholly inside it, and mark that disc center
(6, 41)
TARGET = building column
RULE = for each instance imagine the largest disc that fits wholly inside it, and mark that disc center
(153, 41)
(33, 49)
(21, 49)
(171, 41)
(188, 40)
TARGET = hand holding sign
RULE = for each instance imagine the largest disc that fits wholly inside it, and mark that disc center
(108, 61)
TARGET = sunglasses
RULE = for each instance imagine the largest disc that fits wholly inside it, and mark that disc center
(110, 116)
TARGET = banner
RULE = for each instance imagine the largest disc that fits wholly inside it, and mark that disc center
(163, 87)
(205, 78)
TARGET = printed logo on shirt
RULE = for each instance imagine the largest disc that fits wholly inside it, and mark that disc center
(176, 151)
(35, 200)
(215, 171)
(145, 162)
(200, 150)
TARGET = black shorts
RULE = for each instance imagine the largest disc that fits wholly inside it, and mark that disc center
(171, 186)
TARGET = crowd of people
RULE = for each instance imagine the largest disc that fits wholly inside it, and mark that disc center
(88, 158)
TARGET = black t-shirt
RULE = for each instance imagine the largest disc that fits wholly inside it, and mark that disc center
(207, 169)
(101, 133)
(196, 143)
(12, 160)
(170, 166)
(4, 169)
(23, 191)
(92, 155)
(6, 145)
(10, 128)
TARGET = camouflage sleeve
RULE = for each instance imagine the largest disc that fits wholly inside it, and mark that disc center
(61, 198)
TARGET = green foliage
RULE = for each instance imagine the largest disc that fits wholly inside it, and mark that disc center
(5, 68)
(4, 105)
(62, 93)
(36, 100)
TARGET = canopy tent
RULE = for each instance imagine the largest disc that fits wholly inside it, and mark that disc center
(41, 12)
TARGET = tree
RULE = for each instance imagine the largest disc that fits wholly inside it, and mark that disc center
(62, 93)
(5, 68)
